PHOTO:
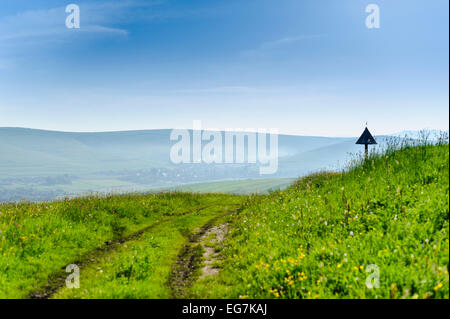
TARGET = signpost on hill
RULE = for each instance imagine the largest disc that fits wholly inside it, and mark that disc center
(366, 139)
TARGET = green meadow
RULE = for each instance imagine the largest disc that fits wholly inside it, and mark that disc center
(332, 235)
(39, 240)
(378, 229)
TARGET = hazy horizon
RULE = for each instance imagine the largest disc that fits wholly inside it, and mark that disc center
(398, 132)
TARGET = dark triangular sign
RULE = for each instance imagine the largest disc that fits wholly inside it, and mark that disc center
(366, 138)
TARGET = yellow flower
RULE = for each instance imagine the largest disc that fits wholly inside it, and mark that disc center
(438, 286)
(339, 265)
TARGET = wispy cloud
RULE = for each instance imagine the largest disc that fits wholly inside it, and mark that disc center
(97, 18)
(271, 46)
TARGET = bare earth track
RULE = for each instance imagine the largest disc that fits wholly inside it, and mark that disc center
(187, 268)
(210, 255)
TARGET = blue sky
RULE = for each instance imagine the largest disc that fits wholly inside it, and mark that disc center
(307, 67)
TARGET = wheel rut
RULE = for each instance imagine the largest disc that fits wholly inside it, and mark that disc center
(187, 269)
(57, 280)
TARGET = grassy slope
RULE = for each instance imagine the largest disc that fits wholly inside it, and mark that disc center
(318, 238)
(38, 240)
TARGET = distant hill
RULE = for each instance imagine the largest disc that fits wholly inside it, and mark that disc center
(50, 163)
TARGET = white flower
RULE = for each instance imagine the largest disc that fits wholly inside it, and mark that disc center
(351, 233)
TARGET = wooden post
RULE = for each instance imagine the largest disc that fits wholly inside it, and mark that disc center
(366, 139)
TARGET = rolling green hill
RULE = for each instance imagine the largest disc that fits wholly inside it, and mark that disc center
(41, 165)
(29, 152)
(37, 165)
(378, 230)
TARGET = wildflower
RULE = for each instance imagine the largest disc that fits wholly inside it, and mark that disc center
(438, 286)
(351, 233)
(274, 292)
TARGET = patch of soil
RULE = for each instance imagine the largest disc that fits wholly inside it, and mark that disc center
(209, 241)
(187, 267)
(187, 263)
